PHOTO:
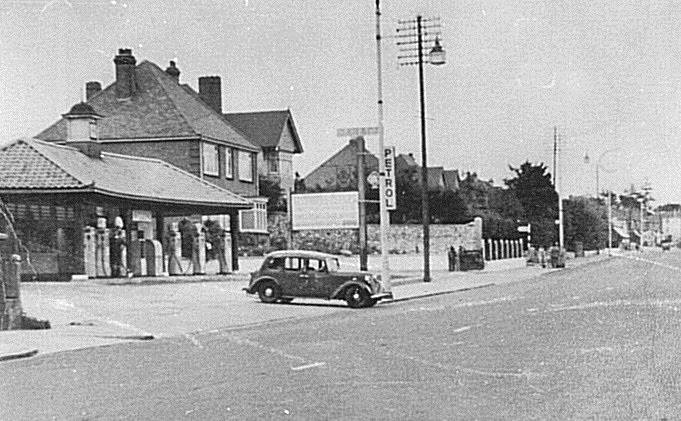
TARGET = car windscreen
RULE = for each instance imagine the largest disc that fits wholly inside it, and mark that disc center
(333, 265)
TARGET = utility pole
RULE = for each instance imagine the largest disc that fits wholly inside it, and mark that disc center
(556, 185)
(412, 53)
(361, 189)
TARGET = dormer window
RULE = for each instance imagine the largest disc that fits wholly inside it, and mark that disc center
(93, 130)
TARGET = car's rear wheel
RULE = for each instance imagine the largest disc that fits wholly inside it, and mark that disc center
(269, 292)
(357, 297)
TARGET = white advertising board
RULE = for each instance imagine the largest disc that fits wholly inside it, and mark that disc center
(312, 211)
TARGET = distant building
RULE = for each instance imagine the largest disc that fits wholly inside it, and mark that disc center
(339, 172)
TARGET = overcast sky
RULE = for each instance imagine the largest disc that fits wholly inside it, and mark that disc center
(606, 73)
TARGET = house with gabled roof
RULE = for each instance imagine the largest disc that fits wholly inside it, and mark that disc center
(147, 112)
(339, 171)
(58, 193)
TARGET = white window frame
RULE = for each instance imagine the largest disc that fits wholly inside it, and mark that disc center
(210, 153)
(229, 163)
(245, 166)
(259, 217)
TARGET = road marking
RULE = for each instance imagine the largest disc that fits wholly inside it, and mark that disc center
(652, 262)
(305, 367)
(253, 344)
(462, 329)
(670, 304)
(193, 340)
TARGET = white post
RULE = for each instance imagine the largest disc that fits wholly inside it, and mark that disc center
(609, 222)
(383, 211)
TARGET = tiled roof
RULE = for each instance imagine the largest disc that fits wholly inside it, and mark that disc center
(452, 179)
(160, 108)
(31, 164)
(435, 177)
(264, 128)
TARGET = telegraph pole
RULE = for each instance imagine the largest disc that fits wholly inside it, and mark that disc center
(425, 31)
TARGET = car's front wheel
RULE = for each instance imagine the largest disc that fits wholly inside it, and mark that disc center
(269, 292)
(358, 297)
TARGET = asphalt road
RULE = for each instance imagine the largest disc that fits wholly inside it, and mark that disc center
(598, 341)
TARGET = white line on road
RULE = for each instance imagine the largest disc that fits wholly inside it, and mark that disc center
(462, 329)
(652, 262)
(305, 367)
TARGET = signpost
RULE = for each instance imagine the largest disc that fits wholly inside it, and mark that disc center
(357, 131)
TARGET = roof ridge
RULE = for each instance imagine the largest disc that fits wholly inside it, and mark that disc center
(50, 144)
(154, 67)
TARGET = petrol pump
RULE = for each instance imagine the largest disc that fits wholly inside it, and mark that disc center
(199, 250)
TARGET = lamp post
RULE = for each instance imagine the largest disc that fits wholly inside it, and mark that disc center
(382, 206)
(411, 35)
(609, 201)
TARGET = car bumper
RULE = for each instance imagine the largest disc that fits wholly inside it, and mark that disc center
(248, 290)
(382, 296)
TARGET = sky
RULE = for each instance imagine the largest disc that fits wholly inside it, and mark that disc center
(606, 75)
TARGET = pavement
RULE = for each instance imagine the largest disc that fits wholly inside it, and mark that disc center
(103, 312)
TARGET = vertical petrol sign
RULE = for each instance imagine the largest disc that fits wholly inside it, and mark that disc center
(390, 185)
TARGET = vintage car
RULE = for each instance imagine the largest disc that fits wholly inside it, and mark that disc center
(286, 274)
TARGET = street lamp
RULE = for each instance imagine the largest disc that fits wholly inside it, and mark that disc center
(419, 29)
(609, 201)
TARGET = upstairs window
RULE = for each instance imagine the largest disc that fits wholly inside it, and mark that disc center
(229, 163)
(211, 159)
(273, 162)
(245, 166)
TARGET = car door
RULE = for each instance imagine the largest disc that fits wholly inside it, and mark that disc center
(322, 281)
(290, 279)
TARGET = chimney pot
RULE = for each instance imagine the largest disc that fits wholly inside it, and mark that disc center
(173, 71)
(125, 73)
(210, 91)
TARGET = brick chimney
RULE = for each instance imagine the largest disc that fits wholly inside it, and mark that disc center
(210, 91)
(125, 73)
(92, 89)
(173, 71)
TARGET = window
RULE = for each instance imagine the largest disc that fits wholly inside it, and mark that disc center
(93, 130)
(245, 166)
(229, 163)
(254, 220)
(292, 263)
(273, 162)
(210, 159)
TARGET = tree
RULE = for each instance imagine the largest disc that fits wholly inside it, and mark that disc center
(408, 197)
(534, 190)
(276, 202)
(447, 207)
(586, 222)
